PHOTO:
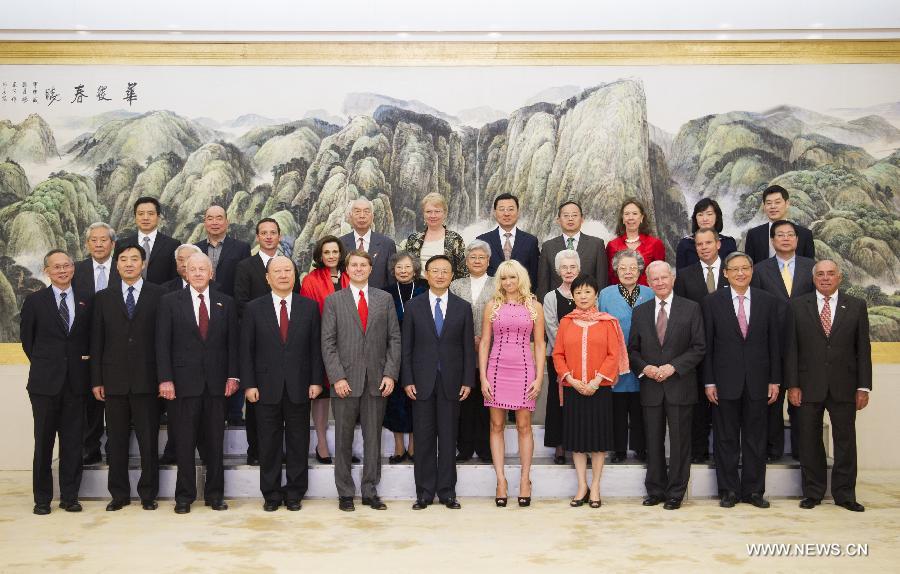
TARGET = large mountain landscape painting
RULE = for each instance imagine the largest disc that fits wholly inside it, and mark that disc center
(297, 144)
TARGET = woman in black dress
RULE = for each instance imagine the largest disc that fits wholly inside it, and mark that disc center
(707, 213)
(405, 269)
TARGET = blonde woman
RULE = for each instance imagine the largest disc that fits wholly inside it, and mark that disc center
(436, 239)
(511, 370)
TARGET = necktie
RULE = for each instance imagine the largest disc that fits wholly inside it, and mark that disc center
(101, 278)
(129, 303)
(363, 309)
(507, 247)
(710, 279)
(283, 321)
(742, 316)
(147, 254)
(786, 277)
(438, 317)
(203, 320)
(570, 243)
(362, 246)
(662, 321)
(64, 311)
(825, 316)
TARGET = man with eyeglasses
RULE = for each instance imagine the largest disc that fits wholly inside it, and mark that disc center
(786, 275)
(508, 241)
(775, 204)
(54, 328)
(591, 250)
(742, 375)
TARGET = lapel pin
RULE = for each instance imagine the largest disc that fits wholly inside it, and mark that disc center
(218, 304)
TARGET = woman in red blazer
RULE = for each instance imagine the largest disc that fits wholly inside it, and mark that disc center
(326, 278)
(633, 232)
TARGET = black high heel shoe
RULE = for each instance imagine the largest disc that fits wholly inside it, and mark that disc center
(500, 501)
(398, 458)
(525, 500)
(323, 459)
(576, 502)
(594, 503)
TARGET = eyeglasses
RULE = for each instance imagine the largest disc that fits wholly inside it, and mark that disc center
(739, 269)
(789, 235)
(61, 267)
(628, 268)
(477, 257)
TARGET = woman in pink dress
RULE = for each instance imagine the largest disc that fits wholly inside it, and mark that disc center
(511, 369)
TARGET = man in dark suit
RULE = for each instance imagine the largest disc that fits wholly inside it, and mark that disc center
(438, 370)
(742, 374)
(281, 371)
(379, 246)
(828, 367)
(786, 276)
(776, 203)
(92, 275)
(123, 375)
(695, 282)
(160, 248)
(591, 251)
(197, 366)
(55, 333)
(361, 351)
(665, 346)
(509, 242)
(250, 283)
(224, 251)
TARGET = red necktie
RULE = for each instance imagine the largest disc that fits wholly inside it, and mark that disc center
(283, 321)
(203, 321)
(363, 310)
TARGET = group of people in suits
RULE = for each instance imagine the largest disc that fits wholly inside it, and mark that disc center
(146, 324)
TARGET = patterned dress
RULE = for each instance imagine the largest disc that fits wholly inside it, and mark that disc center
(510, 369)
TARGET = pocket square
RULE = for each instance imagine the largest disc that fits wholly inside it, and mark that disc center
(85, 357)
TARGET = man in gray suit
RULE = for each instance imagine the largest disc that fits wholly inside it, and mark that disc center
(380, 247)
(591, 250)
(361, 350)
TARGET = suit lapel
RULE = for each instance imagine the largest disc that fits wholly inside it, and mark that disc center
(350, 302)
(728, 310)
(186, 304)
(839, 311)
(518, 249)
(272, 320)
(812, 306)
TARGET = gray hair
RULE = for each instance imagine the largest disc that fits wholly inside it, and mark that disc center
(734, 255)
(826, 260)
(97, 225)
(202, 256)
(628, 254)
(189, 246)
(53, 252)
(658, 263)
(396, 257)
(566, 254)
(477, 244)
(360, 199)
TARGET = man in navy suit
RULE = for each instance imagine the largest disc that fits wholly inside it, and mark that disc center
(509, 242)
(197, 366)
(224, 251)
(159, 247)
(438, 368)
(776, 203)
(379, 246)
(55, 333)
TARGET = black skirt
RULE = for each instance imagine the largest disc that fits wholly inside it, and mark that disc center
(587, 421)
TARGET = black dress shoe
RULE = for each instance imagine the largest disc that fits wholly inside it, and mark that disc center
(324, 459)
(149, 505)
(652, 500)
(700, 459)
(672, 504)
(618, 457)
(463, 458)
(375, 503)
(71, 506)
(115, 505)
(640, 455)
(852, 506)
(808, 503)
(167, 459)
(576, 502)
(728, 500)
(182, 507)
(93, 458)
(293, 505)
(756, 500)
(355, 459)
(41, 509)
(451, 503)
(218, 505)
(236, 422)
(345, 503)
(773, 458)
(595, 503)
(420, 504)
(398, 458)
(252, 460)
(271, 505)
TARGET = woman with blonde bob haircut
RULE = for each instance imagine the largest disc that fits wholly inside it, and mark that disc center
(436, 239)
(511, 370)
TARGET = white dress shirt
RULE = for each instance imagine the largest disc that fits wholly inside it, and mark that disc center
(432, 299)
(832, 302)
(195, 300)
(512, 238)
(265, 258)
(276, 300)
(138, 285)
(356, 290)
(367, 241)
(716, 265)
(70, 301)
(152, 236)
(734, 302)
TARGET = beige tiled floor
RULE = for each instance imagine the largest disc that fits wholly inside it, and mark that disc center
(548, 537)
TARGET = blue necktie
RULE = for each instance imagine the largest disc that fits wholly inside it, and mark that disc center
(438, 317)
(64, 311)
(129, 303)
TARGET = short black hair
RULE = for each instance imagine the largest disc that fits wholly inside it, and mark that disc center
(503, 196)
(569, 202)
(585, 280)
(703, 205)
(120, 249)
(772, 189)
(147, 199)
(438, 257)
(781, 223)
(267, 220)
(320, 246)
